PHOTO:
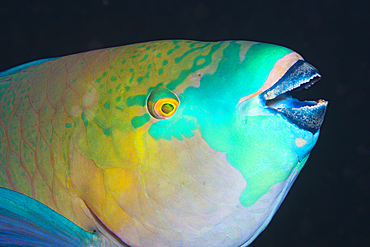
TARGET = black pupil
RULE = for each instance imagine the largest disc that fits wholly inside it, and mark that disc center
(167, 108)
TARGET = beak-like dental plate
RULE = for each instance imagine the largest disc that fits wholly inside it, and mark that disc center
(308, 115)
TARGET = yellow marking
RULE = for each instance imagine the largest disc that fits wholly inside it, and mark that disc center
(122, 142)
(87, 180)
(140, 145)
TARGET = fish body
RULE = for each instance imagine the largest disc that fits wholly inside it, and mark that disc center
(164, 143)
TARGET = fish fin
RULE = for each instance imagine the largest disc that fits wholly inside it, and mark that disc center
(27, 222)
(25, 66)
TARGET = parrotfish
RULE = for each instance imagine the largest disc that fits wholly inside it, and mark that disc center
(164, 143)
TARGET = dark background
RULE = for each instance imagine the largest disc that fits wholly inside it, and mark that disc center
(329, 203)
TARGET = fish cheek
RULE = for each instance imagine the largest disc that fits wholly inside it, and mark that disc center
(87, 180)
(108, 193)
(256, 146)
(269, 154)
(187, 183)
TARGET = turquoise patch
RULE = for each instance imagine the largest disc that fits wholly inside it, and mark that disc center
(132, 78)
(174, 126)
(84, 119)
(106, 132)
(139, 121)
(140, 79)
(178, 59)
(145, 57)
(185, 73)
(139, 100)
(172, 50)
(107, 105)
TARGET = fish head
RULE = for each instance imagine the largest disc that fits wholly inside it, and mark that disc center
(205, 153)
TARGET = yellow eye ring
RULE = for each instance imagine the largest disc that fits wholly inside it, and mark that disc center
(165, 108)
(162, 103)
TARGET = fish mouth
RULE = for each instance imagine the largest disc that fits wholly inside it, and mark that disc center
(308, 115)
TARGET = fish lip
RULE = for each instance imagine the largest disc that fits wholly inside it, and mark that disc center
(308, 115)
(300, 75)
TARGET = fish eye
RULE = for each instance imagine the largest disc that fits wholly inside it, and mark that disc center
(162, 103)
(165, 108)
